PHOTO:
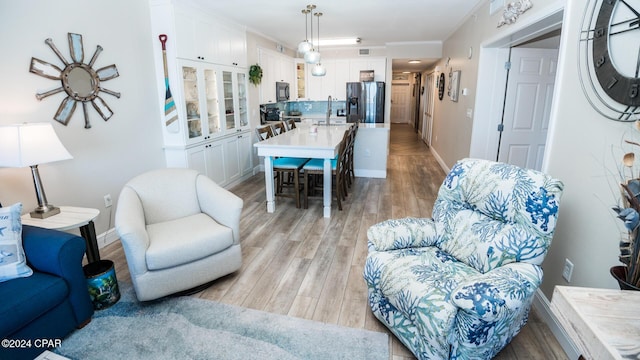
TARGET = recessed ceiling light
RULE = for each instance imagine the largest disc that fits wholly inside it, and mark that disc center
(414, 61)
(344, 41)
(406, 72)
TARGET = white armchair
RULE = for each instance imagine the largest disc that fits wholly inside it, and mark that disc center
(179, 231)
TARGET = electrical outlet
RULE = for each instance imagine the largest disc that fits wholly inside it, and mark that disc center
(567, 271)
(107, 201)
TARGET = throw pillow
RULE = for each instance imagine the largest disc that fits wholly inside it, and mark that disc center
(13, 263)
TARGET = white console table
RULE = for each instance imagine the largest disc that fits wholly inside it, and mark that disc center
(603, 323)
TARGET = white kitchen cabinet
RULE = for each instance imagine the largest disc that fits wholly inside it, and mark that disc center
(267, 87)
(319, 88)
(314, 90)
(341, 79)
(245, 154)
(208, 159)
(195, 34)
(225, 160)
(231, 45)
(192, 33)
(231, 159)
(275, 67)
(378, 65)
(287, 70)
(237, 157)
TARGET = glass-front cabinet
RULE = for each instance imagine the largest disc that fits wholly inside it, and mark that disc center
(243, 113)
(211, 92)
(215, 101)
(200, 107)
(234, 88)
(229, 106)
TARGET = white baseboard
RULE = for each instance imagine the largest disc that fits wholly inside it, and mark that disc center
(444, 166)
(543, 308)
(107, 238)
(382, 174)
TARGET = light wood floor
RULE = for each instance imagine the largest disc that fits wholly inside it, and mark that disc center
(296, 262)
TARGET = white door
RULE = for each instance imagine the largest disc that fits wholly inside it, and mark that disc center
(429, 97)
(400, 103)
(527, 106)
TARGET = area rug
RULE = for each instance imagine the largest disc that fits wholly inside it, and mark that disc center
(191, 328)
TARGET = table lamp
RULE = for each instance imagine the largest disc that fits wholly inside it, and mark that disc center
(31, 144)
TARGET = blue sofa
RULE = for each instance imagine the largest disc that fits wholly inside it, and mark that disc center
(53, 301)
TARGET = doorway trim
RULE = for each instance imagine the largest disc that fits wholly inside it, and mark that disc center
(489, 105)
(494, 53)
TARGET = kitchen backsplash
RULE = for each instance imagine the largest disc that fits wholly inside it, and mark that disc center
(307, 107)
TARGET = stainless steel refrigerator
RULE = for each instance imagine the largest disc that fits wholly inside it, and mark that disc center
(365, 102)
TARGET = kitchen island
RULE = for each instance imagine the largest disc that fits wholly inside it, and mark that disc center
(301, 143)
(371, 149)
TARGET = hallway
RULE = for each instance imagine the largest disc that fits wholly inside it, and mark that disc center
(406, 141)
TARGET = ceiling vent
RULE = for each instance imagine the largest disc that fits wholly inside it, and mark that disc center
(363, 52)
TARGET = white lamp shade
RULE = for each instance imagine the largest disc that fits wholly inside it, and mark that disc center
(29, 144)
(319, 70)
(312, 57)
(304, 47)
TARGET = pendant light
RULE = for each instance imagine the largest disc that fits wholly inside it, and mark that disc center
(312, 56)
(318, 69)
(305, 45)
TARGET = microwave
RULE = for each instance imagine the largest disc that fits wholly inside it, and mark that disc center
(282, 91)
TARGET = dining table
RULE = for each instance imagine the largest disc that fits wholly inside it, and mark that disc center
(304, 141)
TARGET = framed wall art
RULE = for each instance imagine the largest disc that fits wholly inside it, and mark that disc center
(455, 84)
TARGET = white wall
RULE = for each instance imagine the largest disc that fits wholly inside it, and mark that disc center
(584, 149)
(109, 153)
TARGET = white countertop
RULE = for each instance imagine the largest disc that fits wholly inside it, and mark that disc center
(300, 142)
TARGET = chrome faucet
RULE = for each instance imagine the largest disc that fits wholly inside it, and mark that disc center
(328, 111)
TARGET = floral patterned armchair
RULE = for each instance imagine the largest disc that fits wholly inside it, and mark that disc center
(460, 285)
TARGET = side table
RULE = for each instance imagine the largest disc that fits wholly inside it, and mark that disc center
(71, 218)
(101, 276)
(603, 323)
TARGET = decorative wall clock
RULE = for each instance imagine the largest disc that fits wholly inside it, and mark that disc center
(610, 58)
(80, 81)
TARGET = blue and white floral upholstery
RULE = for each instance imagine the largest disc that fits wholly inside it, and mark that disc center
(460, 285)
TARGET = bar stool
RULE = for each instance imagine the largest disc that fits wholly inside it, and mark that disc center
(291, 124)
(286, 169)
(315, 169)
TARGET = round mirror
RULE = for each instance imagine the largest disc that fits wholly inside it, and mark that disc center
(80, 82)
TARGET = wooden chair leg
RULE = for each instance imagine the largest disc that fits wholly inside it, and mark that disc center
(306, 190)
(296, 187)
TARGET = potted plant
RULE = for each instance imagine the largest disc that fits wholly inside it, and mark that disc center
(628, 274)
(255, 74)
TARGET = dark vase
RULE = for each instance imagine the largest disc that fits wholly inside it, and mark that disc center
(620, 274)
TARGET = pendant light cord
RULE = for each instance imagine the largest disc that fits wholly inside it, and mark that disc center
(306, 23)
(318, 14)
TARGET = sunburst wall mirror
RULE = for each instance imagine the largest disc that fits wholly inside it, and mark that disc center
(79, 80)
